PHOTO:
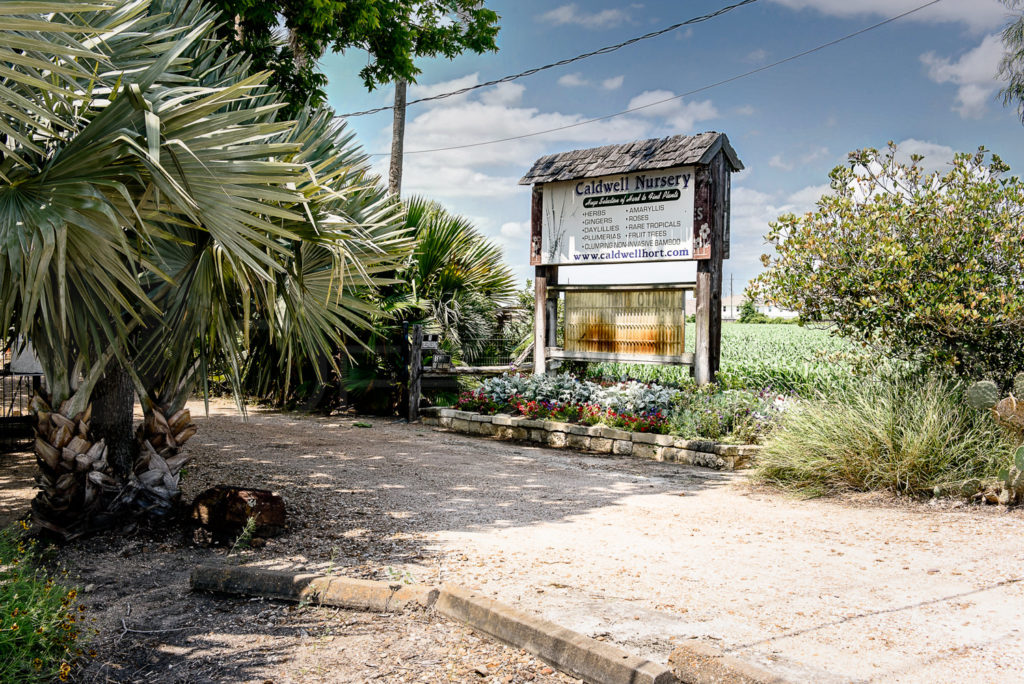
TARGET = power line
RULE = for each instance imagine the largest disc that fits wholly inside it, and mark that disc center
(530, 72)
(676, 97)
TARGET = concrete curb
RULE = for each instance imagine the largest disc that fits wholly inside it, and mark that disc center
(696, 662)
(343, 592)
(594, 661)
(571, 652)
(598, 439)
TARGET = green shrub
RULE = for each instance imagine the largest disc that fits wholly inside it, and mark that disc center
(732, 415)
(41, 625)
(903, 434)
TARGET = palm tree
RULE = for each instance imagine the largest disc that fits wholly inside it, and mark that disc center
(457, 278)
(150, 204)
(1011, 67)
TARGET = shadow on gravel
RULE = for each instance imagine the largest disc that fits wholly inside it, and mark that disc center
(359, 502)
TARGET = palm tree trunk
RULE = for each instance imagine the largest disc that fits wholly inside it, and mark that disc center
(73, 479)
(113, 403)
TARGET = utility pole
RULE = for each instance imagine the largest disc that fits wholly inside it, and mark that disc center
(397, 140)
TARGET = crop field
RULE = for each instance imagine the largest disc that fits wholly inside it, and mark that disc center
(784, 358)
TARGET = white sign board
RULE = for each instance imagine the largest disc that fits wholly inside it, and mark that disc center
(638, 216)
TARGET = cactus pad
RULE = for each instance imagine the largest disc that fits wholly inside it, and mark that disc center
(1018, 386)
(1018, 458)
(983, 395)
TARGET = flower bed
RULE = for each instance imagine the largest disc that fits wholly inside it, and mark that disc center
(699, 426)
(701, 413)
(600, 439)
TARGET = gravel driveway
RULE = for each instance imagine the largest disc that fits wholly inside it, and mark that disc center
(639, 553)
(646, 554)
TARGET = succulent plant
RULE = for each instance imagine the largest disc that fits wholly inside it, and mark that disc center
(1018, 386)
(1012, 479)
(982, 395)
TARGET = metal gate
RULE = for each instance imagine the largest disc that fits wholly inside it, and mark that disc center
(16, 390)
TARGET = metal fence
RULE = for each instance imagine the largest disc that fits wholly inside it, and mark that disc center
(16, 392)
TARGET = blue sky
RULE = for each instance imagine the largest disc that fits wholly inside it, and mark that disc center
(926, 81)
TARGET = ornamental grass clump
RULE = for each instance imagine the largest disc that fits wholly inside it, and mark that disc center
(905, 434)
(42, 626)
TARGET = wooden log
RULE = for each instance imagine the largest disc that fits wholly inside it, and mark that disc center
(151, 477)
(39, 404)
(83, 462)
(83, 428)
(65, 481)
(68, 456)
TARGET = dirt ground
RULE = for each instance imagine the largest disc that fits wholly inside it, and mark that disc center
(637, 553)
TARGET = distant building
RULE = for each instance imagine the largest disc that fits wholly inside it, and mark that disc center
(731, 308)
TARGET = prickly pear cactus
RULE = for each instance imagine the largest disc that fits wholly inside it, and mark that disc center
(1018, 386)
(983, 395)
(1013, 480)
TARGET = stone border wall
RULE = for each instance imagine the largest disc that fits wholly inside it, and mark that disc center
(598, 439)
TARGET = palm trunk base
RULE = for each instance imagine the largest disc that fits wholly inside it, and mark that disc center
(79, 490)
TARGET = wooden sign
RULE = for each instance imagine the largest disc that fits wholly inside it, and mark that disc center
(664, 199)
(630, 217)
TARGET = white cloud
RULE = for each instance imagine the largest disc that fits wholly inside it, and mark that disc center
(974, 72)
(417, 90)
(805, 199)
(680, 115)
(613, 83)
(808, 157)
(936, 157)
(515, 229)
(746, 110)
(977, 15)
(572, 14)
(503, 95)
(574, 80)
(491, 171)
(756, 56)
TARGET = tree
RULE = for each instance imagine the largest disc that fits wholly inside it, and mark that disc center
(151, 203)
(927, 266)
(392, 32)
(1011, 67)
(456, 278)
(749, 314)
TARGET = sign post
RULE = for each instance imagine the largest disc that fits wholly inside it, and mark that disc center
(648, 201)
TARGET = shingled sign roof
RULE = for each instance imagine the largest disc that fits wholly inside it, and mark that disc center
(642, 155)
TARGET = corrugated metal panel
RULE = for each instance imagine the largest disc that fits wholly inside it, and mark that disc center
(625, 322)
